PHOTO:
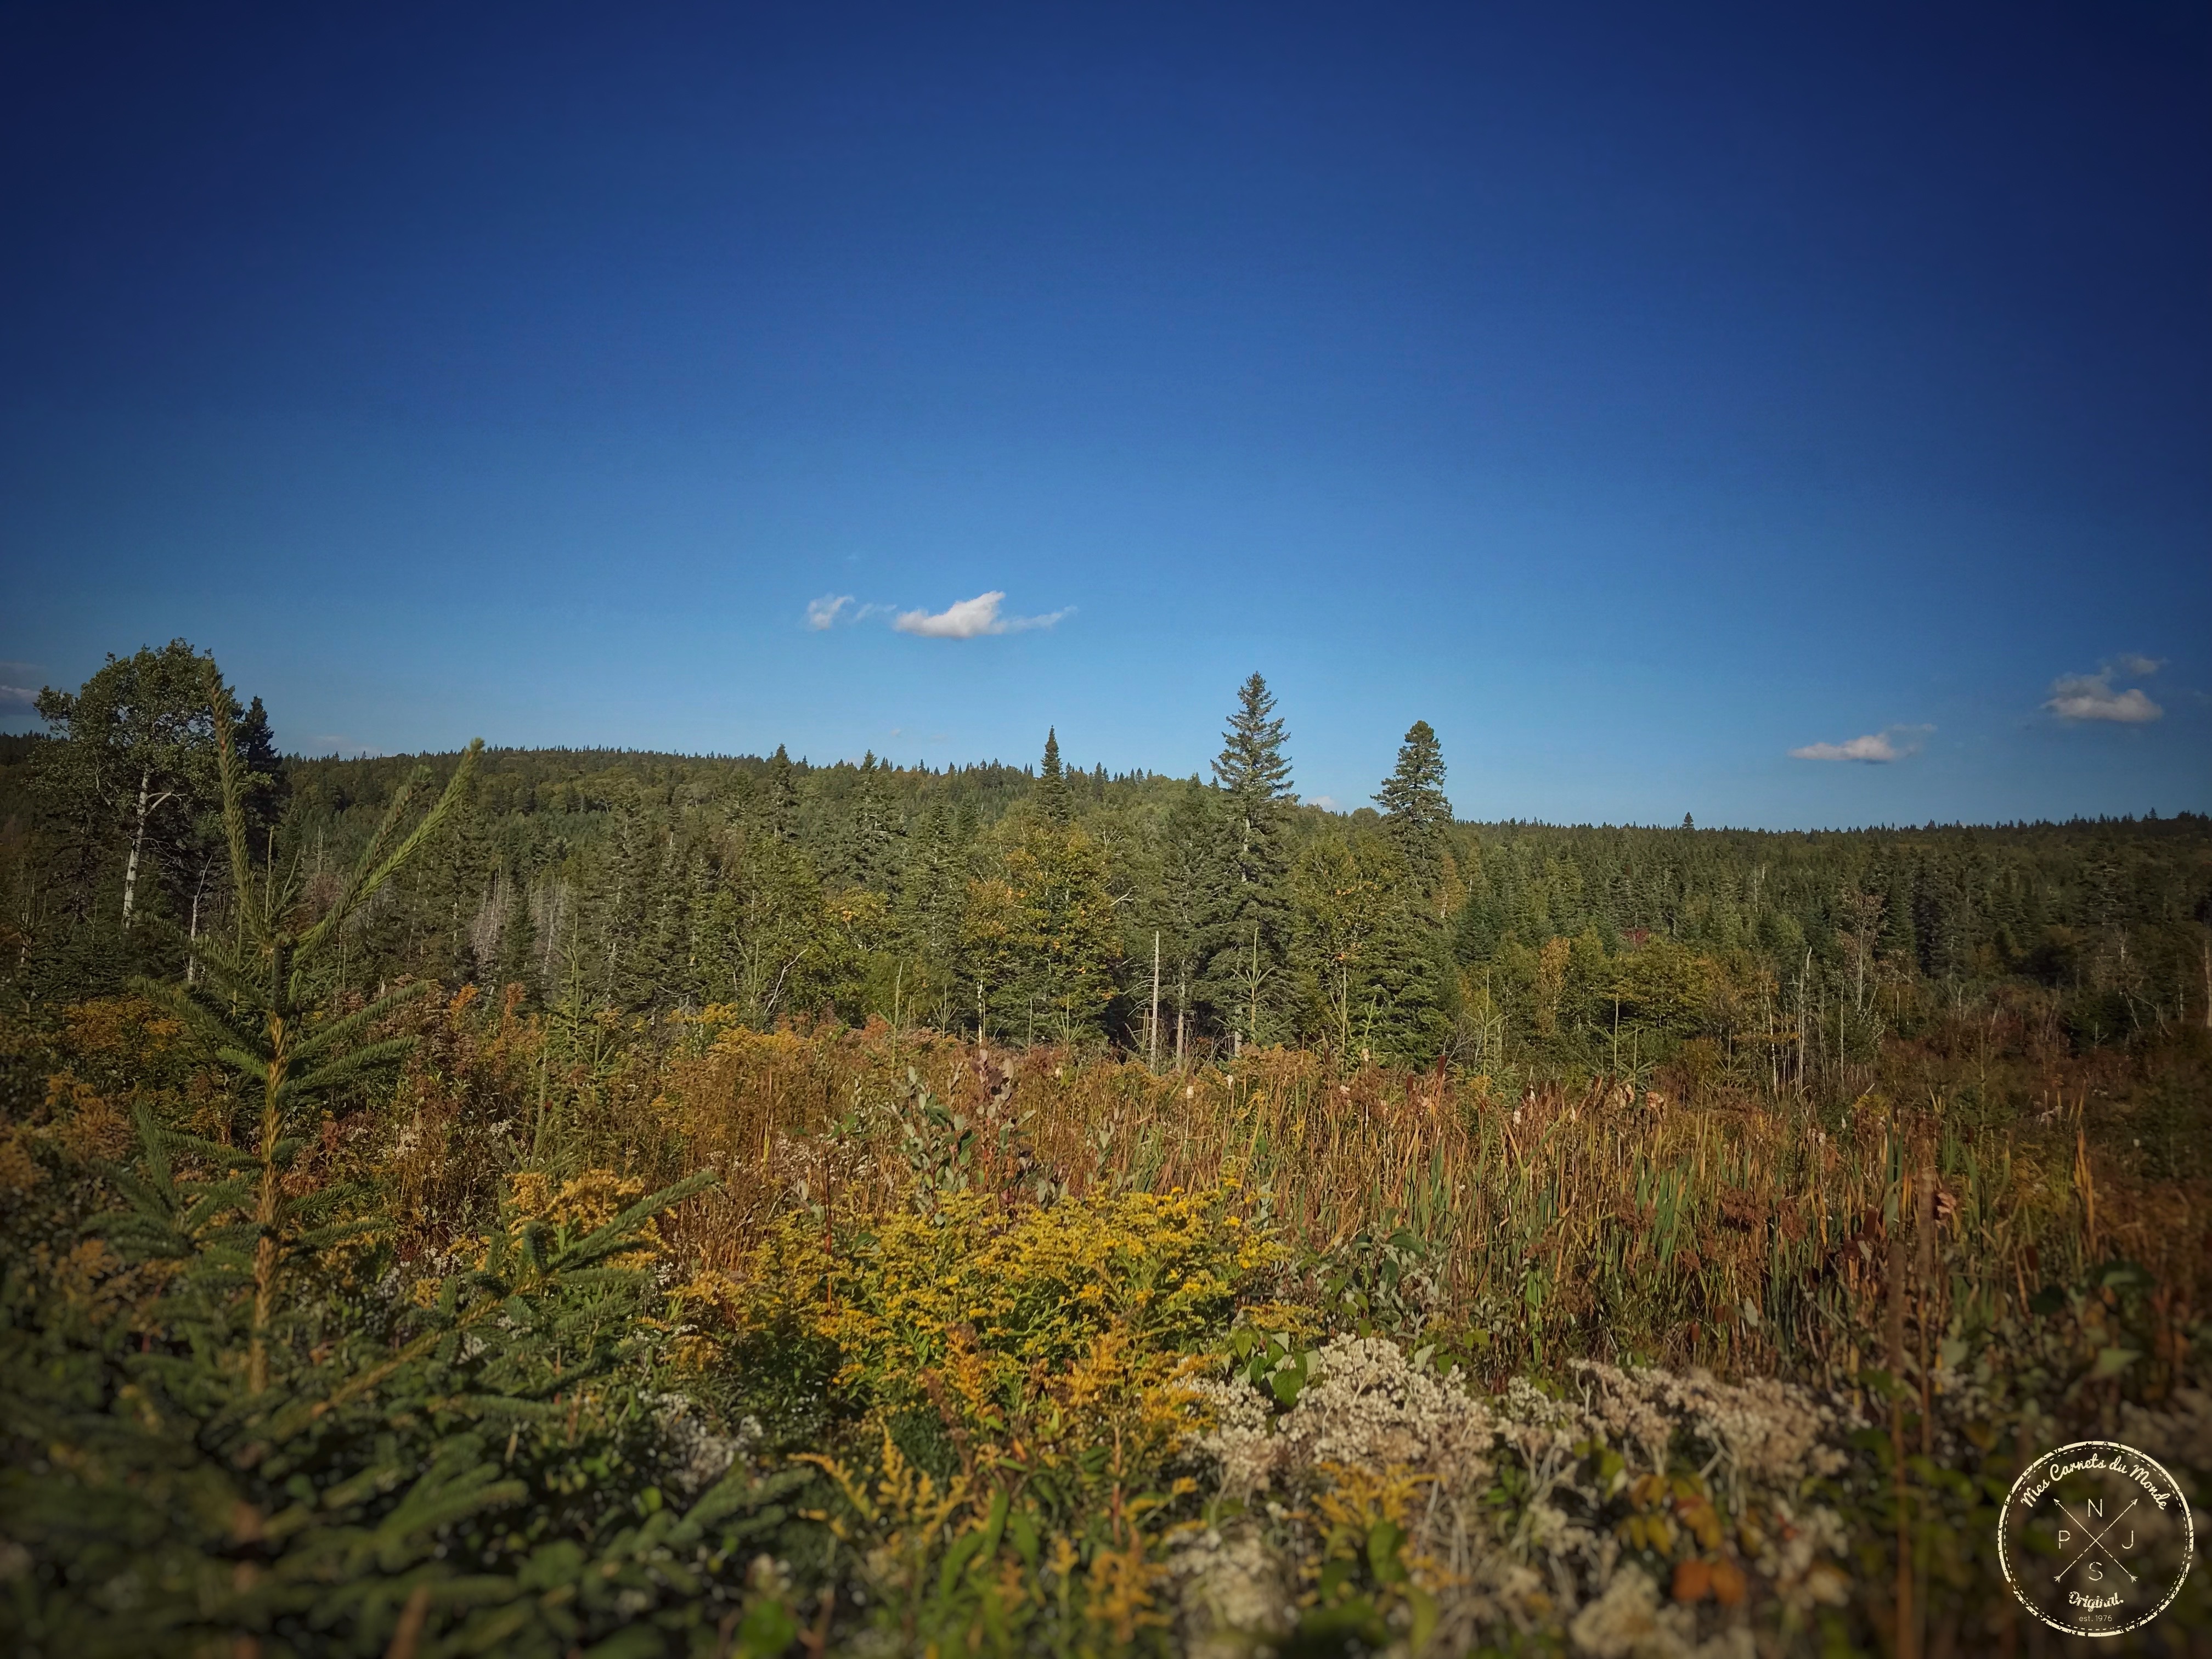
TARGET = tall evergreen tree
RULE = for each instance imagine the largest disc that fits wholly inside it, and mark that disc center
(782, 803)
(1041, 935)
(1414, 809)
(860, 846)
(1248, 934)
(1053, 803)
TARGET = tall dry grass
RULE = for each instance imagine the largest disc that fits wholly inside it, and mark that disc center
(1746, 1229)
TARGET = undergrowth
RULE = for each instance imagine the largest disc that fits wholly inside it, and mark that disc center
(554, 1333)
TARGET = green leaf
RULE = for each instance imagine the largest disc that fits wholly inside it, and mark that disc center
(2110, 1361)
(768, 1630)
(1384, 1539)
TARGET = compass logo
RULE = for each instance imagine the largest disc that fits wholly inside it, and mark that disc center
(2095, 1538)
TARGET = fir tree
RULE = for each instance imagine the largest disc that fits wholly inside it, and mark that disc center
(1049, 931)
(1190, 894)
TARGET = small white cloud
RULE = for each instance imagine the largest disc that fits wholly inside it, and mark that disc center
(2091, 698)
(13, 694)
(1892, 743)
(968, 619)
(1326, 803)
(823, 612)
(2138, 666)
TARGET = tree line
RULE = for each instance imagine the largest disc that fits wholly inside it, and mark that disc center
(1173, 917)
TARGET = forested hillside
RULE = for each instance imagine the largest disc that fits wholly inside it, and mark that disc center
(1050, 901)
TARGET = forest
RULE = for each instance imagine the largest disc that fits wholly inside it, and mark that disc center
(594, 1202)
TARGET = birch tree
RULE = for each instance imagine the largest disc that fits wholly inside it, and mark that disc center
(133, 762)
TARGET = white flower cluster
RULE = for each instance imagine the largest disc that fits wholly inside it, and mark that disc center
(1363, 1404)
(696, 1456)
(1629, 1621)
(1764, 1433)
(1546, 1558)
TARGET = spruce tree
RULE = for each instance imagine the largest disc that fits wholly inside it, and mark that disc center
(1370, 962)
(267, 1460)
(1248, 931)
(1414, 809)
(782, 803)
(1053, 803)
(855, 834)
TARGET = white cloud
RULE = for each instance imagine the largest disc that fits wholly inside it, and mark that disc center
(968, 619)
(1892, 743)
(17, 694)
(2091, 698)
(823, 612)
(2139, 667)
(1326, 803)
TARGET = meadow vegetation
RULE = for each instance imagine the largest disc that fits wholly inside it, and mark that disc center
(423, 1234)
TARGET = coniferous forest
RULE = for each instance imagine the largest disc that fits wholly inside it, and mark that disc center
(589, 1201)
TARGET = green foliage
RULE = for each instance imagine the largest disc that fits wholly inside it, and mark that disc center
(624, 1321)
(1369, 959)
(792, 893)
(222, 1430)
(130, 776)
(1244, 929)
(1414, 809)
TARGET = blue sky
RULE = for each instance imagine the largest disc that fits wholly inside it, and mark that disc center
(1637, 397)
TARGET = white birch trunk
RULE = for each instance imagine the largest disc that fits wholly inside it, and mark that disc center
(138, 841)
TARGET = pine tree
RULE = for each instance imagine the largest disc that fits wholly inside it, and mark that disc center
(773, 956)
(1414, 809)
(1900, 937)
(1248, 930)
(256, 1014)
